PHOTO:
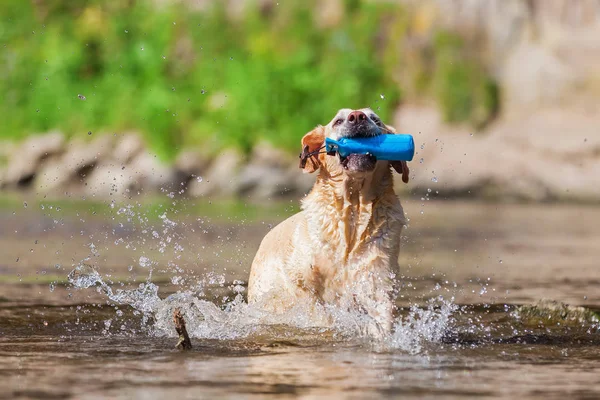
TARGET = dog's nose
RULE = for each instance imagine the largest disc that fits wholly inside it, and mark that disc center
(356, 117)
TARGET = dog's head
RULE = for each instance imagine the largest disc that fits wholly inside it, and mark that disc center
(354, 124)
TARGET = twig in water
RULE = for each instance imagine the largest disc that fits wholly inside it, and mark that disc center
(184, 342)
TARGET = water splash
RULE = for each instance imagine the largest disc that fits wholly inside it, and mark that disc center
(231, 317)
(423, 326)
(236, 319)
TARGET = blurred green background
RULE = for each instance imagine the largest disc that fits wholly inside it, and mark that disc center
(202, 77)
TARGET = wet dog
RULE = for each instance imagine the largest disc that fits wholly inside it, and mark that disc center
(342, 248)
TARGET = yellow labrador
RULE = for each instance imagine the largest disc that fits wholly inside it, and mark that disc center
(342, 248)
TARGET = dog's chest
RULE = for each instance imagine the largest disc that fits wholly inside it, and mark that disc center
(348, 246)
(330, 276)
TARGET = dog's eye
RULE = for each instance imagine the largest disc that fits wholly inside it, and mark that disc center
(337, 122)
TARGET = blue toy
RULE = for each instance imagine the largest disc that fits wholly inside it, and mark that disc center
(389, 147)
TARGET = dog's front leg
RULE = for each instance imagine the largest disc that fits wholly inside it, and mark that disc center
(373, 295)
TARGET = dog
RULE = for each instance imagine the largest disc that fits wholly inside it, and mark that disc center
(342, 248)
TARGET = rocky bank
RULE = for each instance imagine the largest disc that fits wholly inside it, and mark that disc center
(552, 154)
(120, 165)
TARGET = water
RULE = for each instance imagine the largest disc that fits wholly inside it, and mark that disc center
(86, 311)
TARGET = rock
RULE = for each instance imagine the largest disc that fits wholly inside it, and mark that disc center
(271, 173)
(151, 174)
(551, 154)
(264, 182)
(51, 177)
(189, 167)
(549, 312)
(144, 174)
(111, 180)
(221, 177)
(264, 153)
(75, 164)
(541, 53)
(27, 158)
(128, 146)
(190, 162)
(532, 77)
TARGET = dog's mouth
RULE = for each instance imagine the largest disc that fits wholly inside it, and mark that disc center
(362, 131)
(358, 162)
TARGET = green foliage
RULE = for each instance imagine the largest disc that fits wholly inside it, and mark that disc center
(461, 86)
(187, 78)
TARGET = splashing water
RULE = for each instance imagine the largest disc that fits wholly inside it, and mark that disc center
(234, 318)
(423, 325)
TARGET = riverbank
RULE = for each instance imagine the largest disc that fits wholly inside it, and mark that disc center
(550, 155)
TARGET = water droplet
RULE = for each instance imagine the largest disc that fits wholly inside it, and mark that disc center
(81, 97)
(199, 179)
(382, 96)
(434, 179)
(126, 31)
(421, 161)
(202, 91)
(428, 190)
(145, 261)
(52, 286)
(422, 146)
(84, 276)
(89, 132)
(500, 261)
(24, 204)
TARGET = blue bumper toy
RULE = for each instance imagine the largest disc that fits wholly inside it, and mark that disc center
(397, 147)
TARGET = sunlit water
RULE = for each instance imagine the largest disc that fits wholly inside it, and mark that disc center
(108, 331)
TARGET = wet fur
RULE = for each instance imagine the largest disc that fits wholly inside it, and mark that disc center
(342, 248)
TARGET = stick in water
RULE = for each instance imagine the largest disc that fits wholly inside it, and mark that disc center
(184, 342)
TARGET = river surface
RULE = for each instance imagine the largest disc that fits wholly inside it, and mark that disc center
(87, 293)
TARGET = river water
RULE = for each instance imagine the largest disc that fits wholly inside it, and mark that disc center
(87, 293)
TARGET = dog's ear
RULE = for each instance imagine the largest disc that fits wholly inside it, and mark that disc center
(401, 167)
(311, 144)
(389, 128)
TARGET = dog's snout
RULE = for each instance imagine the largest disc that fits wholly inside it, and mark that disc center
(356, 117)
